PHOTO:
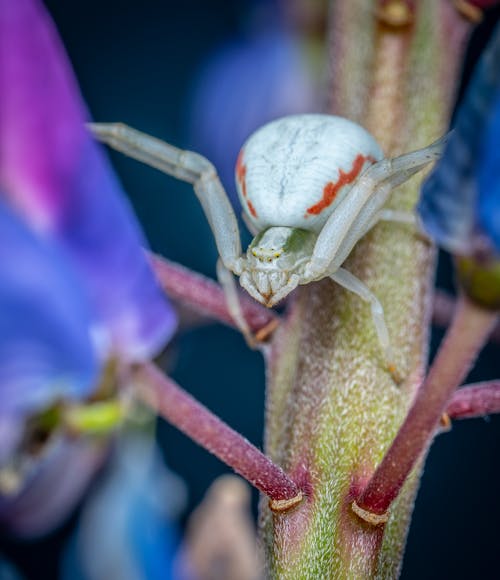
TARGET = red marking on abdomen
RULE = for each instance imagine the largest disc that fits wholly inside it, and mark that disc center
(332, 188)
(251, 208)
(241, 172)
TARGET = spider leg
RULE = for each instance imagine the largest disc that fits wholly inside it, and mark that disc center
(395, 216)
(353, 284)
(402, 217)
(228, 284)
(187, 166)
(360, 209)
(396, 171)
(250, 227)
(345, 227)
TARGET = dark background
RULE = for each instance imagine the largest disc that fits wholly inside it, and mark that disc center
(137, 62)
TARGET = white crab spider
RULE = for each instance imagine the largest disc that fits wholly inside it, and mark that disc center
(311, 187)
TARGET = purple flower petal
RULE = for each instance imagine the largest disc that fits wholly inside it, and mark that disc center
(460, 200)
(11, 434)
(46, 350)
(58, 178)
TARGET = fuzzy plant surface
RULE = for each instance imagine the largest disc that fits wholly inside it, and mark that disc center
(332, 409)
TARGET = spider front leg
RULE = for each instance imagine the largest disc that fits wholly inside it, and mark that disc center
(226, 280)
(187, 166)
(197, 170)
(359, 211)
(362, 207)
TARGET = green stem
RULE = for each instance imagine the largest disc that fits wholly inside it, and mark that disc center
(332, 408)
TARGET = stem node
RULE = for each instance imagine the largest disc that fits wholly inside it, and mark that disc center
(280, 506)
(370, 517)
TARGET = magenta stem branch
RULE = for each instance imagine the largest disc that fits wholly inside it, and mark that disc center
(207, 297)
(475, 400)
(466, 336)
(198, 423)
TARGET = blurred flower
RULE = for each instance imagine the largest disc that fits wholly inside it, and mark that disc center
(75, 287)
(245, 84)
(45, 347)
(221, 540)
(460, 202)
(125, 529)
(67, 465)
(488, 177)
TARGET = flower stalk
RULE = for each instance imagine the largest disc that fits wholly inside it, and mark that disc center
(332, 409)
(476, 400)
(180, 409)
(466, 336)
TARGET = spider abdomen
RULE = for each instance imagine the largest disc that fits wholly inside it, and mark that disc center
(294, 171)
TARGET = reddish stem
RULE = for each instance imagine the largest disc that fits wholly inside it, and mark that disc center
(466, 336)
(199, 424)
(475, 400)
(206, 296)
(443, 309)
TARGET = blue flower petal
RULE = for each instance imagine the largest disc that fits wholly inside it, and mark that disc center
(59, 179)
(489, 180)
(46, 351)
(462, 187)
(126, 524)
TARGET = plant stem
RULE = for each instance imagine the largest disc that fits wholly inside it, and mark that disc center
(207, 297)
(475, 400)
(332, 408)
(466, 336)
(443, 309)
(198, 423)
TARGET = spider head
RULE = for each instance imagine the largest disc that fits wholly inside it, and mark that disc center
(275, 261)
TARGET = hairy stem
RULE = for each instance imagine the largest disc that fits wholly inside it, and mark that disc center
(332, 407)
(476, 400)
(180, 409)
(443, 309)
(466, 336)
